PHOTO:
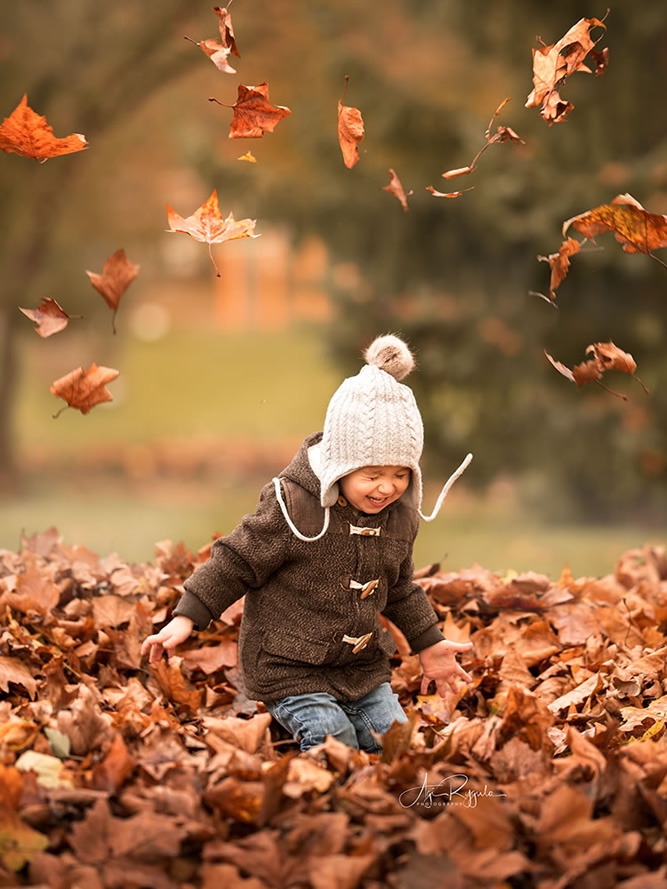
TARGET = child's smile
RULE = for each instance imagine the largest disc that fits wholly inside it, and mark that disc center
(372, 488)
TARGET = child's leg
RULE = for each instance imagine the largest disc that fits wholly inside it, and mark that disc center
(311, 717)
(375, 712)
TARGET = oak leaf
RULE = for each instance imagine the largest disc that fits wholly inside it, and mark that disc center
(83, 389)
(635, 228)
(49, 317)
(552, 65)
(396, 188)
(604, 357)
(254, 115)
(350, 130)
(207, 225)
(117, 275)
(27, 133)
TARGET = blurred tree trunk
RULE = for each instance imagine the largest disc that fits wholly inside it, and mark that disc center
(96, 83)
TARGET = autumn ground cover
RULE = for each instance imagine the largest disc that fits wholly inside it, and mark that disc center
(549, 771)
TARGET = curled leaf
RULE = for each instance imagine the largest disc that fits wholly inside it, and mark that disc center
(560, 263)
(552, 65)
(350, 131)
(502, 134)
(395, 187)
(603, 357)
(447, 194)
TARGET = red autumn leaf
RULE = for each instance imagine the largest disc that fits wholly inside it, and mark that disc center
(254, 115)
(49, 317)
(27, 133)
(552, 65)
(207, 225)
(350, 130)
(83, 389)
(502, 134)
(117, 275)
(635, 228)
(604, 357)
(560, 263)
(395, 187)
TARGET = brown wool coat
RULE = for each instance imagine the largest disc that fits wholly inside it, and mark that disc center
(298, 601)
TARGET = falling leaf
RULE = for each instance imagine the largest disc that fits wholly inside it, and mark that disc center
(560, 263)
(207, 225)
(552, 65)
(254, 115)
(395, 187)
(27, 133)
(248, 156)
(447, 194)
(605, 356)
(117, 275)
(83, 389)
(635, 228)
(49, 317)
(216, 52)
(502, 134)
(219, 50)
(226, 30)
(350, 130)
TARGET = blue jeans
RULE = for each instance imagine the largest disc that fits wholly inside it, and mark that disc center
(311, 717)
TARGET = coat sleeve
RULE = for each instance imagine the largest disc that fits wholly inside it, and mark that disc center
(409, 608)
(239, 562)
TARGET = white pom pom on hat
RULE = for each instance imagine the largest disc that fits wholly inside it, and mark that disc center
(392, 355)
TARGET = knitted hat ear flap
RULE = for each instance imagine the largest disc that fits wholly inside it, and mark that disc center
(373, 420)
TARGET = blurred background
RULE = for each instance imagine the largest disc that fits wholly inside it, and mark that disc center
(221, 377)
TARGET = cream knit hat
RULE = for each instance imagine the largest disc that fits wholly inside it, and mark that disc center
(373, 420)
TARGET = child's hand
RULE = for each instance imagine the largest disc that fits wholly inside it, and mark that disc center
(440, 665)
(176, 631)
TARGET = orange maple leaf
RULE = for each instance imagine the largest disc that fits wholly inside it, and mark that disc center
(635, 228)
(27, 133)
(49, 317)
(350, 130)
(396, 188)
(207, 225)
(117, 275)
(604, 356)
(552, 65)
(83, 389)
(254, 115)
(447, 194)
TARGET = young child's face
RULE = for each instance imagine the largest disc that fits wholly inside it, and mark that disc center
(371, 488)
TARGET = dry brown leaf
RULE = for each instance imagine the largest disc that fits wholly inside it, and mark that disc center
(83, 389)
(117, 275)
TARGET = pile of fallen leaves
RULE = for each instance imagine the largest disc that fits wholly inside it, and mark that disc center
(549, 771)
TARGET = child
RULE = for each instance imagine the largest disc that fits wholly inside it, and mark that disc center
(328, 549)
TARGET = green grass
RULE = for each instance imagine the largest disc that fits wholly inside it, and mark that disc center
(256, 389)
